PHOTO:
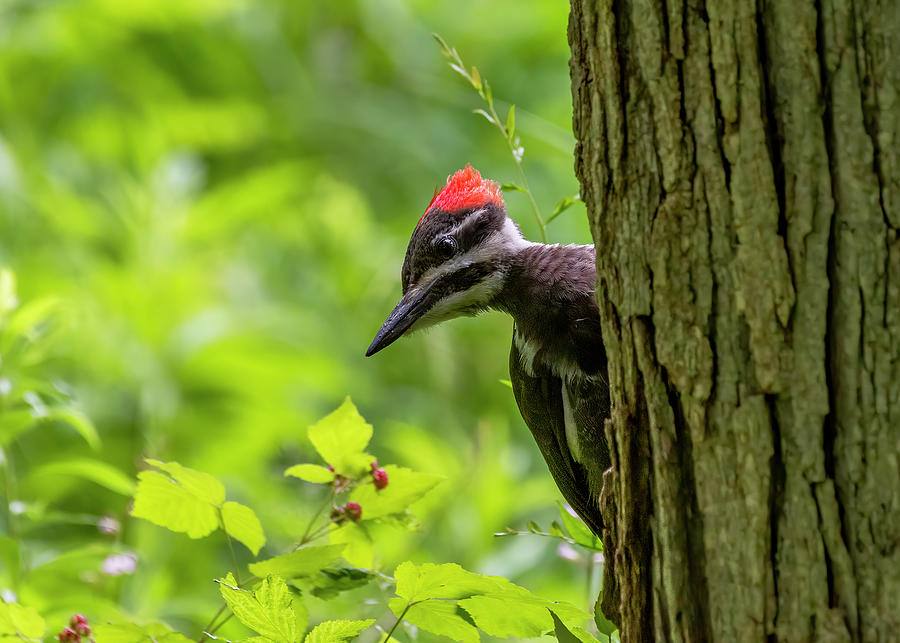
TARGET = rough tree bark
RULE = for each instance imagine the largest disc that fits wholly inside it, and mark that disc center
(739, 161)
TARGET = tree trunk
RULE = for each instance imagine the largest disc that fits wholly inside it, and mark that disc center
(739, 161)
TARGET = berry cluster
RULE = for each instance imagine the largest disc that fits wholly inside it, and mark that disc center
(352, 510)
(78, 629)
(379, 476)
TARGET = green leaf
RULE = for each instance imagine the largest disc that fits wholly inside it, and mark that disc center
(330, 582)
(506, 383)
(341, 438)
(565, 635)
(476, 78)
(131, 633)
(268, 610)
(8, 299)
(404, 488)
(562, 205)
(442, 618)
(166, 503)
(604, 625)
(301, 562)
(311, 473)
(490, 119)
(334, 631)
(511, 122)
(78, 421)
(445, 48)
(102, 473)
(578, 531)
(19, 621)
(511, 187)
(517, 612)
(359, 550)
(447, 581)
(242, 524)
(200, 485)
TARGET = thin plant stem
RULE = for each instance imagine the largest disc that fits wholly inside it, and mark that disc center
(397, 622)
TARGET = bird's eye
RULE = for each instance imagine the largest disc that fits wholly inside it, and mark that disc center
(446, 247)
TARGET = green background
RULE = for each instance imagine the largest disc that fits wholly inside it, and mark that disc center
(219, 193)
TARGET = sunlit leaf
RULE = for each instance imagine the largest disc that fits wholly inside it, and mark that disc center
(578, 531)
(201, 485)
(359, 549)
(301, 562)
(511, 187)
(438, 617)
(518, 613)
(405, 487)
(242, 524)
(329, 582)
(131, 633)
(341, 438)
(267, 610)
(310, 473)
(335, 631)
(18, 621)
(566, 635)
(447, 581)
(166, 503)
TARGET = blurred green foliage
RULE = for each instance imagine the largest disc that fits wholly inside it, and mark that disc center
(212, 198)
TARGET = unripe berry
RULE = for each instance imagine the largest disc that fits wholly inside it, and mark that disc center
(354, 511)
(68, 635)
(380, 478)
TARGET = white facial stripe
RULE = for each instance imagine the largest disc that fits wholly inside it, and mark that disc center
(504, 241)
(469, 301)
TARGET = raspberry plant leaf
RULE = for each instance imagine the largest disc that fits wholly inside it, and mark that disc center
(310, 473)
(242, 524)
(341, 438)
(438, 617)
(267, 610)
(334, 631)
(448, 581)
(405, 488)
(131, 633)
(166, 503)
(359, 550)
(301, 562)
(20, 622)
(201, 485)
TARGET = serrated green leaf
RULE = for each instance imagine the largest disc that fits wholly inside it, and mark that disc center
(442, 618)
(334, 631)
(268, 610)
(168, 504)
(131, 633)
(242, 524)
(341, 438)
(604, 625)
(404, 488)
(20, 621)
(511, 122)
(447, 581)
(565, 635)
(201, 485)
(102, 473)
(311, 473)
(359, 549)
(517, 612)
(578, 531)
(329, 582)
(301, 562)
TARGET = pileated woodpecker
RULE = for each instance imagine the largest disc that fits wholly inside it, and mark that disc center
(465, 256)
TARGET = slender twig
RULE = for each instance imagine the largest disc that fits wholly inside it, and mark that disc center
(211, 622)
(306, 537)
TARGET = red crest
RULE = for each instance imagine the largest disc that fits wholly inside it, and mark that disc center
(465, 189)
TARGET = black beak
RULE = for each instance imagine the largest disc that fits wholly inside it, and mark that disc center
(411, 307)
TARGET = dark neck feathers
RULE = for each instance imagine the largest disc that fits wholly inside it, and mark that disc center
(549, 291)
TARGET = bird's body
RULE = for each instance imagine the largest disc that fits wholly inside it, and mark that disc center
(466, 255)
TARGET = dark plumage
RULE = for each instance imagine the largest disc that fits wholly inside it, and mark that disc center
(467, 255)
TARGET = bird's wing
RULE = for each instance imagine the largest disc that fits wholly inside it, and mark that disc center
(540, 402)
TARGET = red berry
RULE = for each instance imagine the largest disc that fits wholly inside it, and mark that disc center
(354, 511)
(380, 478)
(84, 630)
(76, 620)
(68, 635)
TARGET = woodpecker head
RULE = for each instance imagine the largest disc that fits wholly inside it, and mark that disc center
(457, 259)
